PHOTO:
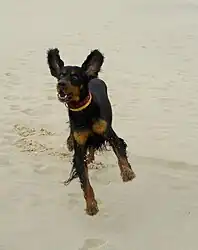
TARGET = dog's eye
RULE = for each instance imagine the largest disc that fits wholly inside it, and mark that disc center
(74, 77)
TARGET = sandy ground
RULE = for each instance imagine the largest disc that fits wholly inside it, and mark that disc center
(151, 71)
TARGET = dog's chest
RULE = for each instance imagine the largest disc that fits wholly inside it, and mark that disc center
(84, 119)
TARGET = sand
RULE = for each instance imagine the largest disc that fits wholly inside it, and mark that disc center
(151, 71)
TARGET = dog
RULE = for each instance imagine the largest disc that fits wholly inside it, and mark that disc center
(90, 118)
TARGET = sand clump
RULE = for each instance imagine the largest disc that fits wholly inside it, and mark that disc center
(27, 141)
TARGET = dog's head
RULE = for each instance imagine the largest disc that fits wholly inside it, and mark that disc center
(73, 80)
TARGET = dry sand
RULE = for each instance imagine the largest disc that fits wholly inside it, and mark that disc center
(151, 71)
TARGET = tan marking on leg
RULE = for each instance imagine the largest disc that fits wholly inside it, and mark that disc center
(91, 203)
(99, 127)
(81, 137)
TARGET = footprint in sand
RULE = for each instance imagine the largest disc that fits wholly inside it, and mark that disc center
(74, 199)
(96, 244)
(106, 174)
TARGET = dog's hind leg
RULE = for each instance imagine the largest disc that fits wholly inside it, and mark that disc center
(119, 147)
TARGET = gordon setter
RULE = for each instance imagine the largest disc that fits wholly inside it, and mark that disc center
(90, 118)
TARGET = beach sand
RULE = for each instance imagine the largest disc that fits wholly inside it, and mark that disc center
(151, 71)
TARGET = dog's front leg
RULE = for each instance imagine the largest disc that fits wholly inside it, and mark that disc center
(80, 165)
(119, 148)
(118, 145)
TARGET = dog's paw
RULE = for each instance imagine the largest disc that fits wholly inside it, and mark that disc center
(92, 208)
(127, 174)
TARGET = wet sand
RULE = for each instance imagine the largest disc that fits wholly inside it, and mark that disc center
(151, 71)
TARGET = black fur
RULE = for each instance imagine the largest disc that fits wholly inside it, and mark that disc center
(100, 107)
(93, 63)
(54, 62)
(82, 80)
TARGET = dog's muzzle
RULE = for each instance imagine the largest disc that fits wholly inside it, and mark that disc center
(63, 97)
(62, 93)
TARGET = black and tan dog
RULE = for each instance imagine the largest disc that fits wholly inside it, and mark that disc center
(90, 117)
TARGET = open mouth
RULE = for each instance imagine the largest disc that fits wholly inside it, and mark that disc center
(63, 97)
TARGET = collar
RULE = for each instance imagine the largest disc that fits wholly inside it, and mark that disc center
(81, 105)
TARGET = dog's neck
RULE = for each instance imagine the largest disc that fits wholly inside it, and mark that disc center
(82, 104)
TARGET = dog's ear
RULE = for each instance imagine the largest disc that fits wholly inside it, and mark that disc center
(93, 63)
(54, 62)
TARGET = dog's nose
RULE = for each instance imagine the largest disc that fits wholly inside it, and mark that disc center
(61, 83)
